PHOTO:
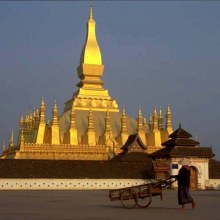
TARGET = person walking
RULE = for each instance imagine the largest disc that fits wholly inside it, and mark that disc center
(183, 179)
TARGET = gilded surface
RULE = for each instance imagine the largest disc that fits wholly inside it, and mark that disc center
(91, 126)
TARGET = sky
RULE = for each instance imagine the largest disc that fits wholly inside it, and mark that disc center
(155, 53)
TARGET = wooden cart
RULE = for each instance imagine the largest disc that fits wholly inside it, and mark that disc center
(140, 195)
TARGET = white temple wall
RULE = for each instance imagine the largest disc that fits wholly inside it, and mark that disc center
(213, 184)
(83, 184)
(202, 166)
(68, 184)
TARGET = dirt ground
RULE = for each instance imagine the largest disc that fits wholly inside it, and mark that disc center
(82, 205)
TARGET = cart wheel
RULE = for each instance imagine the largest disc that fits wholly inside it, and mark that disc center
(128, 198)
(145, 201)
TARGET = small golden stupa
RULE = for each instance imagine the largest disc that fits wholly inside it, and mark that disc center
(91, 126)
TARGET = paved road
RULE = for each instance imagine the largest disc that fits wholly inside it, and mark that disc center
(95, 205)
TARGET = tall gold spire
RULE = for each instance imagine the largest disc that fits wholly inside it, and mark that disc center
(155, 120)
(42, 111)
(124, 132)
(107, 121)
(154, 135)
(37, 117)
(140, 129)
(21, 127)
(108, 129)
(151, 123)
(169, 120)
(72, 119)
(73, 137)
(55, 115)
(139, 121)
(91, 53)
(123, 122)
(30, 121)
(21, 122)
(91, 130)
(90, 118)
(11, 142)
(26, 120)
(41, 125)
(160, 119)
(22, 139)
(3, 147)
(55, 131)
(90, 11)
(90, 70)
(34, 119)
(145, 124)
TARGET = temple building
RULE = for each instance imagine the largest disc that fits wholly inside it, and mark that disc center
(91, 126)
(95, 145)
(181, 145)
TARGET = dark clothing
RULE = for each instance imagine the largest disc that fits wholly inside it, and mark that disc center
(184, 196)
(183, 179)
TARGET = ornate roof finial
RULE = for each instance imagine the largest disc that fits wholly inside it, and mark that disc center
(90, 11)
(160, 119)
(21, 122)
(3, 146)
(151, 123)
(42, 111)
(22, 138)
(139, 120)
(123, 111)
(123, 121)
(91, 129)
(90, 121)
(155, 110)
(124, 132)
(168, 108)
(155, 119)
(108, 129)
(55, 114)
(11, 143)
(72, 119)
(145, 123)
(169, 120)
(160, 112)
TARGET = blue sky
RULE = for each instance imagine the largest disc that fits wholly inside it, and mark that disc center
(155, 53)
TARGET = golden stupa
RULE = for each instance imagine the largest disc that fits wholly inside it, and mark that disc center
(91, 126)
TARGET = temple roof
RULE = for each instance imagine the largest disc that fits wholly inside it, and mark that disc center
(131, 143)
(181, 145)
(168, 152)
(180, 142)
(133, 150)
(180, 133)
(180, 137)
(91, 53)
